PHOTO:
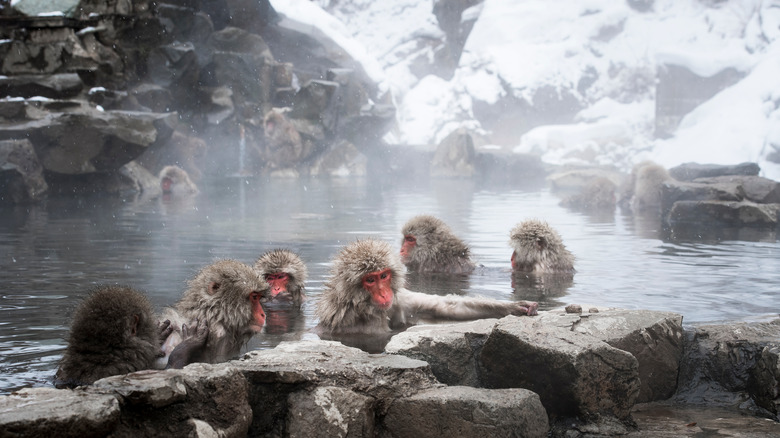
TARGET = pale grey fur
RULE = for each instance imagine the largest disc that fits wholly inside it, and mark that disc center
(346, 307)
(539, 248)
(437, 248)
(227, 310)
(284, 260)
(648, 184)
(181, 184)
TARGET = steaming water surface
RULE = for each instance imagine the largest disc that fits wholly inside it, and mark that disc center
(51, 254)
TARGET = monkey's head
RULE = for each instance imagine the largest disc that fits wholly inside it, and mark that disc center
(229, 294)
(284, 271)
(533, 241)
(366, 274)
(113, 317)
(422, 236)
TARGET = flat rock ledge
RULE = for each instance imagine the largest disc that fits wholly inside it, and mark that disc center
(307, 388)
(602, 372)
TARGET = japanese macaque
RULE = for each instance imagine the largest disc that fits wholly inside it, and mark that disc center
(538, 248)
(175, 181)
(365, 295)
(598, 194)
(283, 144)
(114, 331)
(430, 246)
(285, 273)
(648, 180)
(226, 295)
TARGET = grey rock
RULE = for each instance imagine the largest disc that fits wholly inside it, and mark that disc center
(655, 339)
(200, 399)
(57, 86)
(55, 412)
(692, 171)
(576, 179)
(764, 381)
(21, 174)
(330, 411)
(574, 374)
(467, 412)
(743, 213)
(86, 140)
(450, 349)
(721, 360)
(754, 188)
(674, 191)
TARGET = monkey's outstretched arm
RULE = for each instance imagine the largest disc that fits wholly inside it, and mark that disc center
(460, 308)
(194, 340)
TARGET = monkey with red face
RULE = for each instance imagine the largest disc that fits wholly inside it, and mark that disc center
(228, 296)
(365, 295)
(286, 273)
(176, 181)
(429, 245)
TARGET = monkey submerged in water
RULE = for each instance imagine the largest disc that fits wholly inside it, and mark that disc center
(176, 181)
(114, 331)
(365, 294)
(429, 245)
(227, 295)
(538, 248)
(285, 272)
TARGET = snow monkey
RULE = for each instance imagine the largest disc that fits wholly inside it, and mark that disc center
(285, 272)
(365, 294)
(175, 181)
(114, 331)
(430, 246)
(226, 295)
(538, 248)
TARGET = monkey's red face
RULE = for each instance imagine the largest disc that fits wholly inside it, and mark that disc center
(378, 284)
(512, 259)
(166, 184)
(278, 282)
(407, 246)
(258, 314)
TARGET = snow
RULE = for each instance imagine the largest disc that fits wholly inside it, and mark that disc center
(518, 47)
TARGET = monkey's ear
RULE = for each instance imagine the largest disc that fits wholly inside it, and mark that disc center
(134, 325)
(213, 287)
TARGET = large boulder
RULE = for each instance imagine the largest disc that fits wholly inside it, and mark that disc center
(203, 399)
(85, 140)
(330, 411)
(732, 364)
(655, 339)
(692, 171)
(754, 188)
(467, 412)
(21, 174)
(723, 213)
(574, 374)
(54, 412)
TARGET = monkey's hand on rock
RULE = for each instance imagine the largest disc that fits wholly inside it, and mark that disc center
(526, 308)
(193, 341)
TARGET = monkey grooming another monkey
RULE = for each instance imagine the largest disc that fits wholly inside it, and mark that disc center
(430, 246)
(285, 273)
(175, 181)
(538, 248)
(365, 295)
(226, 295)
(114, 331)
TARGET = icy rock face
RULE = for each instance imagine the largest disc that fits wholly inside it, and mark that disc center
(591, 69)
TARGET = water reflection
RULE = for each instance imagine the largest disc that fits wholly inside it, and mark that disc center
(52, 254)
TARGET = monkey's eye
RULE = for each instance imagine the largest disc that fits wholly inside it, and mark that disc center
(370, 279)
(409, 238)
(384, 275)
